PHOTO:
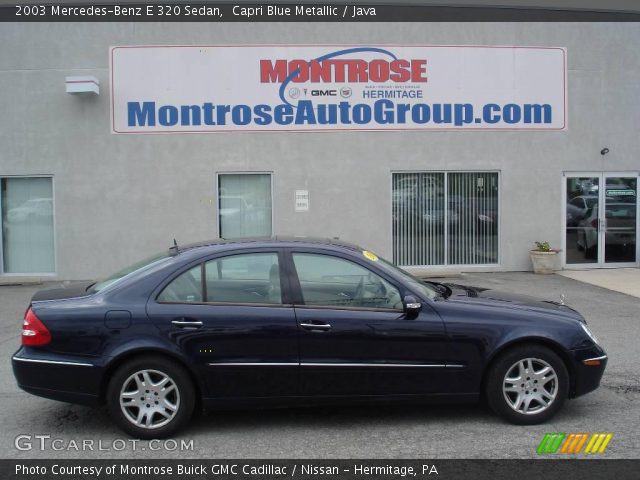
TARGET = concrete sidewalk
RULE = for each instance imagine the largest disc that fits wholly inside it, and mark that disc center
(623, 280)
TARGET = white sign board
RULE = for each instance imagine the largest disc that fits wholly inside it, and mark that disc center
(170, 89)
(302, 200)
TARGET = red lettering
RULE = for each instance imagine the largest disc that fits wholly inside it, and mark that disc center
(341, 71)
(273, 72)
(400, 69)
(320, 71)
(379, 71)
(418, 68)
(358, 71)
(339, 67)
(303, 67)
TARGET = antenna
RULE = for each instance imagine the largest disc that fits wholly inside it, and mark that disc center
(173, 250)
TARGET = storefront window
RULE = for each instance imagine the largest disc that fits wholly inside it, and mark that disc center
(26, 204)
(445, 218)
(244, 205)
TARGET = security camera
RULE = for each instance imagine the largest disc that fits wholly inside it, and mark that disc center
(604, 151)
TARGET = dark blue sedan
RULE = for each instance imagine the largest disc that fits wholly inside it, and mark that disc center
(285, 321)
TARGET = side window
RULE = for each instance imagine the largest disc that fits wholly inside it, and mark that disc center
(245, 278)
(186, 288)
(333, 281)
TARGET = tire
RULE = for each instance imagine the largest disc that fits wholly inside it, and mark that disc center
(513, 384)
(159, 411)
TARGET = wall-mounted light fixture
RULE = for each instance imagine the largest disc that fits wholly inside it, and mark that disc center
(82, 84)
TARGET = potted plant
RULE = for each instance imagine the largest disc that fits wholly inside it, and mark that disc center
(543, 258)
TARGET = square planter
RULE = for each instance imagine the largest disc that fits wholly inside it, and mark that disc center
(543, 262)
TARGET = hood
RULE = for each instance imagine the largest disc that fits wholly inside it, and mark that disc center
(64, 290)
(495, 298)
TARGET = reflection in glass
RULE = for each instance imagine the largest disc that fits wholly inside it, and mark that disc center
(437, 225)
(473, 224)
(27, 225)
(620, 216)
(244, 205)
(601, 210)
(582, 220)
(337, 282)
(418, 201)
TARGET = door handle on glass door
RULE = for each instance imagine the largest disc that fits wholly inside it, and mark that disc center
(603, 224)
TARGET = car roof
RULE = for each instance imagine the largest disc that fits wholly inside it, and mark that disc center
(266, 242)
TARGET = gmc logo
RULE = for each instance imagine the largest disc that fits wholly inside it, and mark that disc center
(324, 93)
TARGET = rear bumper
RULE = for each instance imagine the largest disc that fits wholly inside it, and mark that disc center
(587, 377)
(56, 377)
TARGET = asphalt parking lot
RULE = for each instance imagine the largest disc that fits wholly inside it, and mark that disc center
(417, 431)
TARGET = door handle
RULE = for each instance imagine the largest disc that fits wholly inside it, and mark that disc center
(603, 224)
(316, 326)
(184, 323)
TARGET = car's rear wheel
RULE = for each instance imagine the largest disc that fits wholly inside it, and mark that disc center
(150, 397)
(527, 384)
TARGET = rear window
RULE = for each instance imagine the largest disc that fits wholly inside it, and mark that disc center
(136, 267)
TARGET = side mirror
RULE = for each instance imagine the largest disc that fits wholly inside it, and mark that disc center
(411, 305)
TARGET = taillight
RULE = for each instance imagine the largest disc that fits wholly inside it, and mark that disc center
(34, 332)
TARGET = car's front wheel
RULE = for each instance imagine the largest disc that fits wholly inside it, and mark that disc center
(527, 384)
(150, 397)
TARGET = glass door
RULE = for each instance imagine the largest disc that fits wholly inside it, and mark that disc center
(600, 220)
(582, 219)
(619, 219)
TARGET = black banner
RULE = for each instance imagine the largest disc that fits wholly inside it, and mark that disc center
(194, 469)
(297, 12)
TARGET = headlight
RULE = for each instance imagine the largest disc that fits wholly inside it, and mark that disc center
(589, 333)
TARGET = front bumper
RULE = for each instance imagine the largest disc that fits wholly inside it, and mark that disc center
(587, 376)
(57, 377)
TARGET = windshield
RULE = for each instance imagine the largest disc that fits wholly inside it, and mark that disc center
(147, 262)
(416, 284)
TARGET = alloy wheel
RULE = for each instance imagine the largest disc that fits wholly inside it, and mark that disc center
(530, 386)
(149, 399)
